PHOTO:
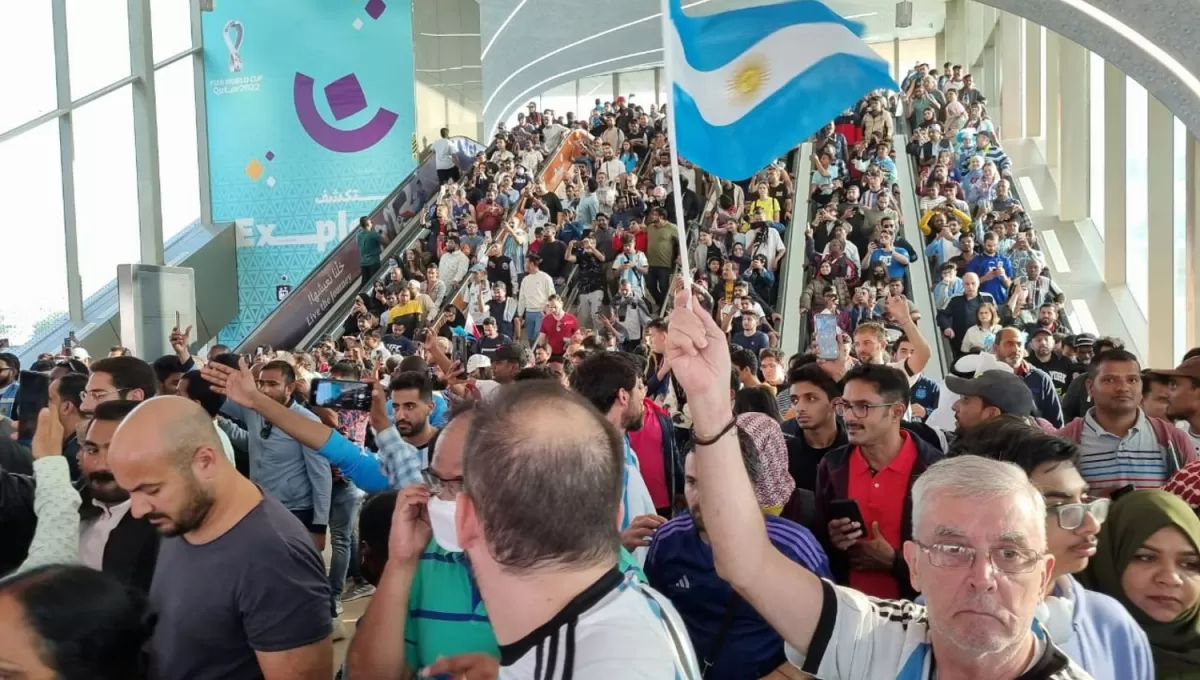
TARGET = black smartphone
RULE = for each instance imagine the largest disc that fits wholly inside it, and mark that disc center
(846, 509)
(345, 395)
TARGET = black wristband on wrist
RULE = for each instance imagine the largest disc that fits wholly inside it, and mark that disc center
(713, 440)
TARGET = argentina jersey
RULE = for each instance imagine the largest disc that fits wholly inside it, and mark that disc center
(616, 628)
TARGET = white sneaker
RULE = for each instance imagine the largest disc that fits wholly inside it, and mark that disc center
(339, 630)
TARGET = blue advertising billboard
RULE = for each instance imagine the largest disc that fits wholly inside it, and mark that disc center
(311, 124)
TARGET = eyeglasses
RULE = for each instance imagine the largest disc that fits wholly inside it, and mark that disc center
(1007, 560)
(440, 485)
(860, 409)
(97, 395)
(1071, 515)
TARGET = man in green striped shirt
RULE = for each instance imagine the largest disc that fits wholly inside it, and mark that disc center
(426, 595)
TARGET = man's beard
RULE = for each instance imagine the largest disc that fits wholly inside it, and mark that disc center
(411, 429)
(192, 516)
(634, 418)
(110, 494)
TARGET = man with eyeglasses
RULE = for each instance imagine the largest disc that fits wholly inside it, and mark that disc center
(978, 551)
(1092, 628)
(287, 469)
(114, 378)
(876, 470)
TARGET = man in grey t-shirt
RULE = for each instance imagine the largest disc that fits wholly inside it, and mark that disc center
(239, 589)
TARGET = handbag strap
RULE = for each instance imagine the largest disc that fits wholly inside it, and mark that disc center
(718, 642)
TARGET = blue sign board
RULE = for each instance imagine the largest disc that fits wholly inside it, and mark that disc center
(310, 125)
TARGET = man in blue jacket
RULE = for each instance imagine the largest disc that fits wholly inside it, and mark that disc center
(995, 271)
(1010, 349)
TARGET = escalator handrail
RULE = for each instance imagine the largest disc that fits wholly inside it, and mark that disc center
(793, 274)
(319, 272)
(919, 286)
(692, 232)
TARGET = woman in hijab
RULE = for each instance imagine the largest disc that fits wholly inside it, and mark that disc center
(1148, 558)
(775, 484)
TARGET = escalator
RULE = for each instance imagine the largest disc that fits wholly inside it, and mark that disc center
(329, 290)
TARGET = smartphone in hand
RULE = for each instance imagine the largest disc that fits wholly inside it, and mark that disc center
(344, 395)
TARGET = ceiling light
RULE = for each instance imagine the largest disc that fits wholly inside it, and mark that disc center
(861, 16)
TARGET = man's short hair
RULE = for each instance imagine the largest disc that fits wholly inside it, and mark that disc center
(112, 411)
(600, 376)
(119, 350)
(1150, 379)
(167, 366)
(227, 359)
(412, 380)
(744, 358)
(71, 387)
(375, 520)
(517, 477)
(413, 363)
(1013, 439)
(891, 383)
(534, 373)
(815, 375)
(285, 370)
(10, 360)
(128, 373)
(200, 391)
(1110, 355)
(980, 478)
(874, 328)
(346, 370)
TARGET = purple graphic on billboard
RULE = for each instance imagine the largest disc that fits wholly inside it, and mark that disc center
(346, 98)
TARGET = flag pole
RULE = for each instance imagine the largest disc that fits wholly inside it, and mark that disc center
(673, 148)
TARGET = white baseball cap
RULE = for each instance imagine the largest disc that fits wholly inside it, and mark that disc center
(476, 362)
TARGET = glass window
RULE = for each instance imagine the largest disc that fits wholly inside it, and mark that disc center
(638, 86)
(1137, 192)
(560, 99)
(32, 233)
(171, 25)
(178, 167)
(26, 62)
(97, 44)
(1181, 140)
(1041, 38)
(1096, 139)
(106, 204)
(591, 89)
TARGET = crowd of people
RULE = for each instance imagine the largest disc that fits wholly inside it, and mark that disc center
(576, 462)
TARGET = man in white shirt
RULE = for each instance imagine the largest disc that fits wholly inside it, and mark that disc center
(979, 555)
(445, 157)
(105, 520)
(611, 166)
(548, 584)
(534, 295)
(454, 264)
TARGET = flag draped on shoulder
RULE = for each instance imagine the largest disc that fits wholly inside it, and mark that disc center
(750, 84)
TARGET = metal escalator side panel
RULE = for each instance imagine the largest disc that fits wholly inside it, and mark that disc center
(793, 331)
(310, 301)
(920, 285)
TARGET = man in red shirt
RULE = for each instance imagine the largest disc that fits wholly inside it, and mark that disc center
(876, 470)
(489, 213)
(557, 326)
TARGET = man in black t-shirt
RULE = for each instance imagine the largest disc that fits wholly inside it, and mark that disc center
(812, 428)
(500, 268)
(553, 202)
(240, 594)
(491, 340)
(1059, 368)
(554, 254)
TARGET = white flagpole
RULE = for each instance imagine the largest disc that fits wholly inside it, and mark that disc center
(680, 221)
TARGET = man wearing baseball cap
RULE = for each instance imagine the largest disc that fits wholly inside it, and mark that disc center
(1183, 404)
(990, 394)
(1042, 356)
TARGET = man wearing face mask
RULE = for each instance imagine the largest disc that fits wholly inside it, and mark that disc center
(426, 592)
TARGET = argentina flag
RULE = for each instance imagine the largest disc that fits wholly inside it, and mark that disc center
(750, 84)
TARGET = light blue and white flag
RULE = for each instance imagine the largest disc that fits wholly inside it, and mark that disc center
(750, 84)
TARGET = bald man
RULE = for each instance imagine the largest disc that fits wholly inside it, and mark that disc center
(239, 588)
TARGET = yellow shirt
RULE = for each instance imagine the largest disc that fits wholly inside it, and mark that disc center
(769, 205)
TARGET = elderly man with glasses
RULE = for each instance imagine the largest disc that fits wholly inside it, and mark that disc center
(979, 550)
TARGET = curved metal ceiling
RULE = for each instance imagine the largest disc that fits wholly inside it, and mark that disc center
(537, 44)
